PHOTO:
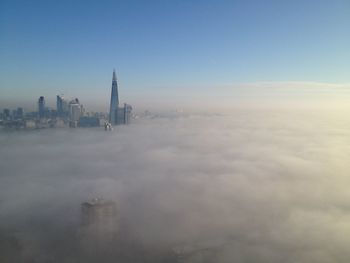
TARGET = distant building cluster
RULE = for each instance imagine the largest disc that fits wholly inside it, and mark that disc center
(68, 113)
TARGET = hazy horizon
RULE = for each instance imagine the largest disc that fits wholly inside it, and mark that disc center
(255, 95)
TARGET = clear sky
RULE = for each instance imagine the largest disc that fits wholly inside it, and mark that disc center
(168, 47)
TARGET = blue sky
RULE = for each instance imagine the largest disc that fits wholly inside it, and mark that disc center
(168, 47)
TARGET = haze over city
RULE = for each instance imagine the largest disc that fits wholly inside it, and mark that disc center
(174, 131)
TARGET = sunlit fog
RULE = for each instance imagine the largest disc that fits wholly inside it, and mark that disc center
(240, 186)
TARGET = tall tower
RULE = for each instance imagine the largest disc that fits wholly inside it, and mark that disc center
(41, 107)
(114, 99)
(59, 103)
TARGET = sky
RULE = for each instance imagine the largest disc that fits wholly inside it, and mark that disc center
(166, 49)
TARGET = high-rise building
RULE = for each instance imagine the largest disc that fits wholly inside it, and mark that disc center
(14, 114)
(114, 99)
(62, 106)
(74, 110)
(7, 114)
(19, 113)
(123, 114)
(41, 107)
(59, 103)
(118, 115)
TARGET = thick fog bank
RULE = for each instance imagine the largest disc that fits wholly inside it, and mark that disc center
(246, 186)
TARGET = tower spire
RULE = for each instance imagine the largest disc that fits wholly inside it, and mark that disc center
(114, 75)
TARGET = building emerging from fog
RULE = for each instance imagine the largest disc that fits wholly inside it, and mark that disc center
(99, 227)
(75, 111)
(98, 211)
(118, 115)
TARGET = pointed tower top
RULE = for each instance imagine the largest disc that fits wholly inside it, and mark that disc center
(114, 75)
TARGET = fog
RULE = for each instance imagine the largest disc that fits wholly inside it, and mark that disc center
(240, 186)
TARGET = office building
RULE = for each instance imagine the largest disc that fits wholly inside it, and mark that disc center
(7, 114)
(41, 107)
(123, 114)
(19, 113)
(74, 110)
(62, 106)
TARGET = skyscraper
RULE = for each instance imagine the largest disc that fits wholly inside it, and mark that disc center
(118, 115)
(114, 99)
(62, 106)
(74, 111)
(7, 114)
(41, 107)
(59, 104)
(123, 114)
(19, 113)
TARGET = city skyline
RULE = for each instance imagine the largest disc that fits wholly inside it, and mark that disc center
(68, 113)
(165, 48)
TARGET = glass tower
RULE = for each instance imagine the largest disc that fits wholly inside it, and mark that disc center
(41, 107)
(114, 100)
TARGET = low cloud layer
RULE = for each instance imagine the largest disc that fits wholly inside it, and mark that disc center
(244, 186)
